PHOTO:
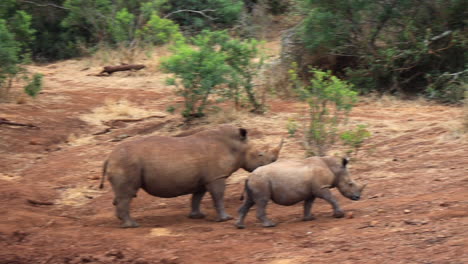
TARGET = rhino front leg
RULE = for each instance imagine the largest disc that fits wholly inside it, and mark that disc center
(307, 208)
(216, 190)
(196, 200)
(328, 196)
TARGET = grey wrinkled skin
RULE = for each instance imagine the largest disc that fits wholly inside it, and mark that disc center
(287, 182)
(194, 163)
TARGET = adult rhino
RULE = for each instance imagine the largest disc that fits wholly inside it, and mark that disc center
(288, 182)
(188, 164)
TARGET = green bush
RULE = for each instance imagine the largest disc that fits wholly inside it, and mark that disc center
(35, 86)
(213, 59)
(330, 100)
(199, 70)
(354, 138)
(398, 46)
(10, 51)
(159, 31)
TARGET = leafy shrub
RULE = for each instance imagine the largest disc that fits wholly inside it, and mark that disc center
(35, 86)
(355, 137)
(10, 67)
(159, 31)
(212, 59)
(199, 71)
(330, 100)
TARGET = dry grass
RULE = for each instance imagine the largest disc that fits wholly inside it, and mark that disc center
(115, 110)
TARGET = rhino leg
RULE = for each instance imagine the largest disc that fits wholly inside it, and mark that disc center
(125, 188)
(123, 212)
(216, 190)
(261, 212)
(328, 196)
(196, 200)
(243, 210)
(307, 208)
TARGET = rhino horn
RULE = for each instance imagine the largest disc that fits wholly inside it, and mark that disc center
(363, 186)
(276, 151)
(328, 186)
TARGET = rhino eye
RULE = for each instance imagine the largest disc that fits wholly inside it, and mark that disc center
(260, 154)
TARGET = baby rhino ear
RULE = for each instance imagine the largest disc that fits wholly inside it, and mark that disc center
(344, 162)
(243, 133)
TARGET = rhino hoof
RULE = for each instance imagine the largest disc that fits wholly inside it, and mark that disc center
(240, 226)
(132, 224)
(308, 218)
(338, 214)
(269, 224)
(196, 215)
(224, 218)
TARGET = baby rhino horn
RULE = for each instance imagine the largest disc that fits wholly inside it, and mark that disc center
(363, 186)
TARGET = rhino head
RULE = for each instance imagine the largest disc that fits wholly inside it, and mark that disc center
(347, 187)
(260, 156)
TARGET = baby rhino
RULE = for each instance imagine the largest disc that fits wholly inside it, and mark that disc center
(288, 182)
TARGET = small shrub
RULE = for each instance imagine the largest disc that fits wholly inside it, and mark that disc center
(35, 86)
(355, 137)
(292, 127)
(330, 100)
(199, 70)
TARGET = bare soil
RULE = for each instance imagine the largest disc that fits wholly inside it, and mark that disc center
(414, 210)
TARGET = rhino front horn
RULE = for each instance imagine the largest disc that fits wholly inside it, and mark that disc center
(363, 186)
(276, 151)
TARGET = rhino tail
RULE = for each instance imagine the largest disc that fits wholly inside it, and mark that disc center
(103, 176)
(245, 190)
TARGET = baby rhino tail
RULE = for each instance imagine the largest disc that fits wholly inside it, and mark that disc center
(246, 190)
(103, 176)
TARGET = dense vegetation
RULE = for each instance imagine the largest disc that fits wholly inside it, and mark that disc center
(395, 46)
(398, 46)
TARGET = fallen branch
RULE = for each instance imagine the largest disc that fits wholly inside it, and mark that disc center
(201, 12)
(111, 123)
(34, 202)
(126, 67)
(7, 122)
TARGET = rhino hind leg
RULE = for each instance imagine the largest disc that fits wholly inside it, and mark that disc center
(243, 210)
(125, 189)
(307, 209)
(216, 190)
(196, 200)
(123, 212)
(261, 213)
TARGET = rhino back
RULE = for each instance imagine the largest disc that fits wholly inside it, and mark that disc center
(293, 181)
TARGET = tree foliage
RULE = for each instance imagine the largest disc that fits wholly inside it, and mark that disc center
(10, 55)
(400, 46)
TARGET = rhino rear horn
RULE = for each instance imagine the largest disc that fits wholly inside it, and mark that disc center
(328, 186)
(243, 133)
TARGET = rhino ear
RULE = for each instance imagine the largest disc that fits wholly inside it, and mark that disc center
(243, 133)
(344, 162)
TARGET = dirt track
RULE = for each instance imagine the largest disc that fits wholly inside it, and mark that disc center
(415, 208)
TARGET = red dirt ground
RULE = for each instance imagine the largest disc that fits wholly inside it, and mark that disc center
(414, 210)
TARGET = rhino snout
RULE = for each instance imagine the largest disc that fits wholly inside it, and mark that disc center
(355, 197)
